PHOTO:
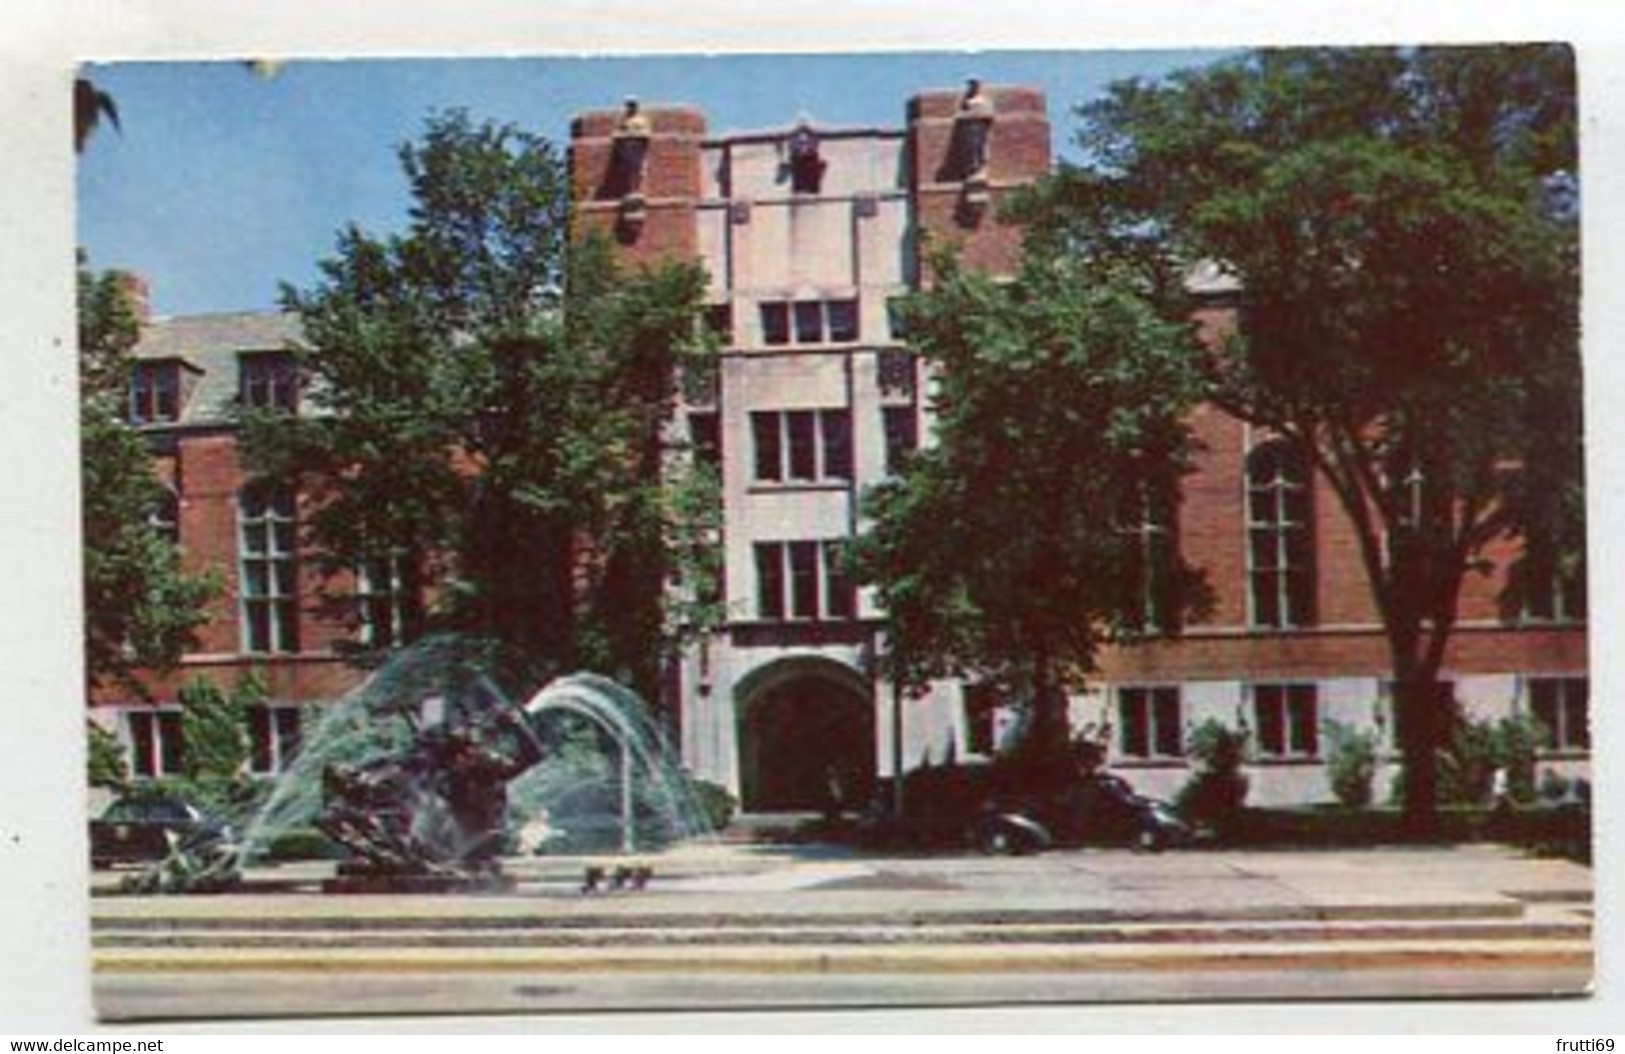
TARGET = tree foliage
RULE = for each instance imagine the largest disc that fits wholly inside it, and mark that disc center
(486, 402)
(141, 609)
(1404, 227)
(1006, 549)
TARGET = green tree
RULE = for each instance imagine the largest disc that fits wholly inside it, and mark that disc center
(1404, 227)
(1012, 546)
(141, 610)
(487, 403)
(104, 758)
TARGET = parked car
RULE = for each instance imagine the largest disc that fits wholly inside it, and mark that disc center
(1098, 808)
(141, 829)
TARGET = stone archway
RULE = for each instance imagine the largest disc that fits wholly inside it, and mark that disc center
(800, 720)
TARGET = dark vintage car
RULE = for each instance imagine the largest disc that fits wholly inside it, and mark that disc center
(1095, 809)
(140, 829)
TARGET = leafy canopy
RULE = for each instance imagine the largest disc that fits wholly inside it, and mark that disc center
(141, 608)
(1006, 548)
(1403, 226)
(486, 401)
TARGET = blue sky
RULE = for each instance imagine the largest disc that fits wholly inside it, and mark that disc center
(222, 184)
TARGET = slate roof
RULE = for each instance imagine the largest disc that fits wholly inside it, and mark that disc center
(212, 345)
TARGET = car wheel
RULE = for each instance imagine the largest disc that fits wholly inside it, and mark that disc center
(1149, 840)
(995, 839)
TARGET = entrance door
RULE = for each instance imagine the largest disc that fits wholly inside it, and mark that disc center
(800, 731)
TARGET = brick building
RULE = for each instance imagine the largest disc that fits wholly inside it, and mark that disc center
(809, 234)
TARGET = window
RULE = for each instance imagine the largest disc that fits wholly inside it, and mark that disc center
(380, 598)
(800, 427)
(156, 747)
(840, 600)
(809, 315)
(1554, 589)
(802, 446)
(1287, 720)
(803, 579)
(1150, 723)
(776, 323)
(1149, 520)
(815, 574)
(273, 736)
(165, 517)
(835, 432)
(1280, 536)
(155, 389)
(705, 437)
(770, 580)
(894, 369)
(268, 569)
(1559, 704)
(815, 321)
(843, 321)
(1407, 486)
(902, 436)
(719, 322)
(897, 317)
(270, 381)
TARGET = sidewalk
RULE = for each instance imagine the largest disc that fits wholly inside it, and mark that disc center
(738, 884)
(792, 923)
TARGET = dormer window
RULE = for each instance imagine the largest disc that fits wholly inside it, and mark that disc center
(155, 393)
(269, 381)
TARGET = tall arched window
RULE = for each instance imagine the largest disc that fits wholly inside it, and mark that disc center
(1280, 536)
(1149, 518)
(268, 568)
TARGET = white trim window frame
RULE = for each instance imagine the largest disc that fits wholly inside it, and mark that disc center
(154, 741)
(803, 580)
(1561, 704)
(1150, 722)
(275, 733)
(1280, 544)
(1286, 720)
(268, 569)
(380, 601)
(801, 447)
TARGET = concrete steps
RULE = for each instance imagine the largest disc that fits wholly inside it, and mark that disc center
(874, 935)
(200, 936)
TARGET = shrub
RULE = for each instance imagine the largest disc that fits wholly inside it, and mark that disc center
(214, 726)
(1468, 764)
(1218, 788)
(1554, 786)
(104, 759)
(714, 801)
(302, 843)
(1351, 763)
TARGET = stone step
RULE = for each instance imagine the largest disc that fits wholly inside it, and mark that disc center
(1553, 927)
(912, 958)
(626, 912)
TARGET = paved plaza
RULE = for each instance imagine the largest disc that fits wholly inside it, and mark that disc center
(755, 926)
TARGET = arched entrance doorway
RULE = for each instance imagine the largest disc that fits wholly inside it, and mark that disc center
(802, 720)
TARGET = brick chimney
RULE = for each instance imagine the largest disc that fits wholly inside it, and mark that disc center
(137, 292)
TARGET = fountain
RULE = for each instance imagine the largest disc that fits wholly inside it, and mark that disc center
(430, 771)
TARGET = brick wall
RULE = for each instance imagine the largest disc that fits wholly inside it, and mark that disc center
(670, 184)
(1018, 152)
